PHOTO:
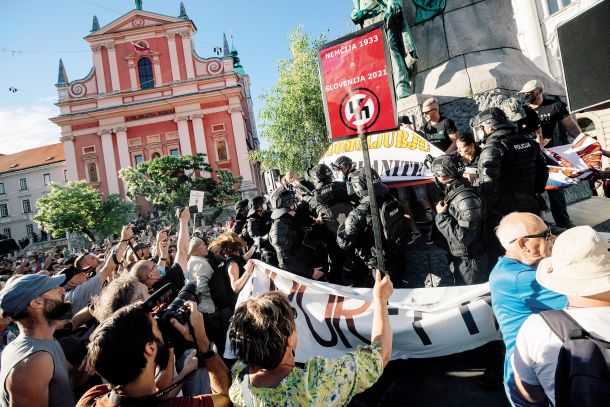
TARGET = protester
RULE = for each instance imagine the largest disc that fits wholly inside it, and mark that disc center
(199, 271)
(34, 368)
(460, 219)
(129, 366)
(579, 267)
(263, 337)
(157, 275)
(515, 293)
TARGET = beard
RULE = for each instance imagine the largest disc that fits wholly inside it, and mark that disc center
(162, 356)
(55, 310)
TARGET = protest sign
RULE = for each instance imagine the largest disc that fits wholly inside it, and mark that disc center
(575, 162)
(333, 319)
(196, 199)
(357, 87)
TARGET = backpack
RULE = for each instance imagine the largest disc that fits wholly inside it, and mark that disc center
(220, 285)
(395, 226)
(582, 377)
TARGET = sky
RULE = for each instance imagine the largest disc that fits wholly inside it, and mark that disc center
(35, 34)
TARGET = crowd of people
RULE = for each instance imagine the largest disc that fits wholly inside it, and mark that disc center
(144, 319)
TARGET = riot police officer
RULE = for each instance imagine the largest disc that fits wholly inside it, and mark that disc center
(286, 236)
(258, 227)
(241, 216)
(357, 231)
(330, 200)
(460, 220)
(512, 171)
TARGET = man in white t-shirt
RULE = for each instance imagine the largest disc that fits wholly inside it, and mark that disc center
(579, 267)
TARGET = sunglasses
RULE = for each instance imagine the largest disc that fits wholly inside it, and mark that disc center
(546, 235)
(429, 111)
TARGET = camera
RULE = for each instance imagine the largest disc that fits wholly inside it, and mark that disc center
(176, 309)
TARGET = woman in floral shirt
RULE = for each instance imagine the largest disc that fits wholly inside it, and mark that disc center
(263, 337)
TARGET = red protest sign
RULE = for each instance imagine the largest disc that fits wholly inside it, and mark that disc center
(357, 86)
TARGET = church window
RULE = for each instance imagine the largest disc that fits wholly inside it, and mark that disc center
(145, 72)
(92, 171)
(221, 150)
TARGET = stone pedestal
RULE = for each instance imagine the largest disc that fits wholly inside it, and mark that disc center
(469, 59)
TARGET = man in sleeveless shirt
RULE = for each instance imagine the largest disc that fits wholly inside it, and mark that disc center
(34, 368)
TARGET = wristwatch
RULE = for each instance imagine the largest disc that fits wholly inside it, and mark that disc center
(206, 355)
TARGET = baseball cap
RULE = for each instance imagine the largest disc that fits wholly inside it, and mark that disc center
(579, 264)
(530, 86)
(70, 272)
(17, 294)
(195, 241)
(140, 245)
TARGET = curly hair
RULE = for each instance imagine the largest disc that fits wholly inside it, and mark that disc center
(227, 243)
(260, 330)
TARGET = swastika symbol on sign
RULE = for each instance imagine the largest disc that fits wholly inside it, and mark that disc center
(359, 109)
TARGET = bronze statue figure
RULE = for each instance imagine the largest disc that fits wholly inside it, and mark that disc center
(400, 40)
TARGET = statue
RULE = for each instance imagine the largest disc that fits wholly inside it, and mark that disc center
(400, 40)
(138, 4)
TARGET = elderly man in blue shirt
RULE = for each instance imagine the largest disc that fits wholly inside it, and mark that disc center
(515, 293)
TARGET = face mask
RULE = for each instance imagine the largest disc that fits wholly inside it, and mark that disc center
(479, 135)
(529, 97)
(161, 270)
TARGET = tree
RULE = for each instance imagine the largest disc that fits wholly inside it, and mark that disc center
(167, 181)
(79, 208)
(292, 118)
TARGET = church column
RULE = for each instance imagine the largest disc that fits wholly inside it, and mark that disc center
(70, 155)
(183, 135)
(112, 178)
(239, 135)
(156, 62)
(187, 50)
(99, 68)
(114, 68)
(131, 66)
(121, 141)
(199, 134)
(173, 56)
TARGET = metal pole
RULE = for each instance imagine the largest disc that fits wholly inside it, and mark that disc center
(373, 203)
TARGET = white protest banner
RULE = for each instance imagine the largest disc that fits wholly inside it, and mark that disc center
(397, 156)
(196, 199)
(333, 320)
(575, 162)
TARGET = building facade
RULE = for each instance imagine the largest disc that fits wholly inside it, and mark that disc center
(24, 177)
(538, 21)
(148, 95)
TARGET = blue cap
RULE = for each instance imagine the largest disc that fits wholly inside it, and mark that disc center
(16, 295)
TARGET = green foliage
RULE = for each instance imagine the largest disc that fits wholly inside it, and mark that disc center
(167, 183)
(78, 208)
(292, 119)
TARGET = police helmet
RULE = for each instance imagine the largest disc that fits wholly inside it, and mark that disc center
(256, 203)
(531, 122)
(321, 174)
(343, 162)
(282, 201)
(491, 118)
(358, 181)
(243, 204)
(448, 165)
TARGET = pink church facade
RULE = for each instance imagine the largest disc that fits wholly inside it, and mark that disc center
(149, 95)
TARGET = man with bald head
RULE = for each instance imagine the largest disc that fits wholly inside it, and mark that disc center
(515, 293)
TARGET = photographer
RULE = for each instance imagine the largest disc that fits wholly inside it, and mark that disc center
(129, 366)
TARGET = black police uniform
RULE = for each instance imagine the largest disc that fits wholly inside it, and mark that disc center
(258, 228)
(462, 226)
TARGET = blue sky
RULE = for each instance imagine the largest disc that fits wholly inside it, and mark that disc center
(34, 34)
